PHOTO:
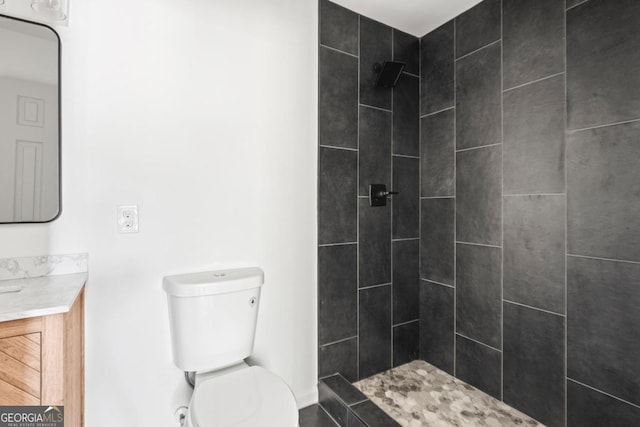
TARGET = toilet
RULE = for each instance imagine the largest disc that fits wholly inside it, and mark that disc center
(213, 318)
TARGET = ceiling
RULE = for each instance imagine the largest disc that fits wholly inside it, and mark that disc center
(417, 17)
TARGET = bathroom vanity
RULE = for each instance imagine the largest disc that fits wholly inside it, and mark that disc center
(42, 343)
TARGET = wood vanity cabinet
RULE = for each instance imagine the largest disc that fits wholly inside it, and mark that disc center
(42, 362)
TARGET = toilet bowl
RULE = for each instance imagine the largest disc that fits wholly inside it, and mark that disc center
(213, 318)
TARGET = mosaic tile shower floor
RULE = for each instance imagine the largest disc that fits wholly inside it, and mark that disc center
(418, 394)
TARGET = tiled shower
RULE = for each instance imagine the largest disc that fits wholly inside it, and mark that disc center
(511, 257)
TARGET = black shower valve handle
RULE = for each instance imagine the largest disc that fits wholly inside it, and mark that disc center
(382, 194)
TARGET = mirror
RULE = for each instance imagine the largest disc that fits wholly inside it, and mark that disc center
(29, 122)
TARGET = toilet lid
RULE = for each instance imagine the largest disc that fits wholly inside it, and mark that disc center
(248, 397)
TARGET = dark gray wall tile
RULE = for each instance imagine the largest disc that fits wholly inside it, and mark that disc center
(478, 27)
(406, 116)
(437, 72)
(374, 244)
(337, 293)
(478, 195)
(332, 404)
(337, 196)
(533, 40)
(534, 373)
(406, 48)
(406, 180)
(603, 192)
(534, 251)
(338, 103)
(534, 133)
(589, 408)
(406, 281)
(375, 47)
(375, 148)
(338, 27)
(315, 416)
(373, 416)
(344, 390)
(479, 98)
(437, 325)
(479, 365)
(603, 333)
(341, 357)
(437, 240)
(479, 293)
(437, 157)
(406, 343)
(601, 51)
(375, 330)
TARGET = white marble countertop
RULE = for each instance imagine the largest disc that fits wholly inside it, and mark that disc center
(39, 296)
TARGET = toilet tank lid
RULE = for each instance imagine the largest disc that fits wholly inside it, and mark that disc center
(213, 282)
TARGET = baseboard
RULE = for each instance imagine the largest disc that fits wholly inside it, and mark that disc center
(307, 399)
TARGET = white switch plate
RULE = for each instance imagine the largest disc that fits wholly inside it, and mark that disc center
(128, 219)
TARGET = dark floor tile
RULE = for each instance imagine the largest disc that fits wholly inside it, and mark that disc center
(479, 365)
(315, 416)
(438, 156)
(340, 357)
(589, 408)
(406, 116)
(354, 421)
(375, 48)
(373, 416)
(479, 99)
(375, 330)
(601, 50)
(534, 374)
(406, 205)
(602, 193)
(330, 402)
(534, 251)
(533, 40)
(406, 281)
(406, 343)
(337, 196)
(406, 48)
(337, 293)
(437, 325)
(479, 293)
(437, 244)
(338, 103)
(478, 27)
(338, 27)
(344, 389)
(375, 148)
(437, 72)
(534, 138)
(478, 195)
(374, 244)
(603, 331)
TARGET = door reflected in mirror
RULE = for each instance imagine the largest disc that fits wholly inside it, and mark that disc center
(29, 122)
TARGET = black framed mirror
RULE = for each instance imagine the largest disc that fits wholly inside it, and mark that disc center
(29, 122)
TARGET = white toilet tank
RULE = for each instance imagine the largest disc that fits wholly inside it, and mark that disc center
(213, 316)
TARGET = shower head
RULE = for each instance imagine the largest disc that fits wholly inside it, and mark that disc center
(388, 73)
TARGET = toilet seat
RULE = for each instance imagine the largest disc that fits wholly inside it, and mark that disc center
(248, 397)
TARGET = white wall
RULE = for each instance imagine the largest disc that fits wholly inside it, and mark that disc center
(202, 112)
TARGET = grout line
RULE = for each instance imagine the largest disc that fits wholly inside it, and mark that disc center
(405, 156)
(439, 111)
(502, 200)
(366, 288)
(392, 145)
(337, 342)
(374, 108)
(358, 220)
(324, 245)
(604, 392)
(479, 342)
(575, 5)
(604, 125)
(479, 49)
(437, 283)
(338, 50)
(532, 82)
(406, 239)
(455, 191)
(534, 194)
(357, 403)
(406, 323)
(478, 244)
(338, 148)
(566, 223)
(420, 154)
(603, 259)
(411, 74)
(363, 197)
(477, 148)
(533, 308)
(438, 197)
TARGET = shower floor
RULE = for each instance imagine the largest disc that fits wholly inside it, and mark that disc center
(419, 394)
